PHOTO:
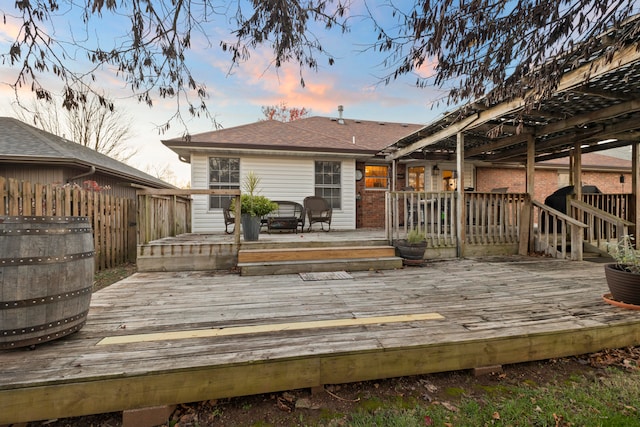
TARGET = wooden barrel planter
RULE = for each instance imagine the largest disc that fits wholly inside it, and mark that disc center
(46, 278)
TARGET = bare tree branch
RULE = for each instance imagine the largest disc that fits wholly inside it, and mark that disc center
(91, 124)
(477, 47)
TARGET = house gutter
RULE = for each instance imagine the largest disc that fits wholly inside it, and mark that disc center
(91, 172)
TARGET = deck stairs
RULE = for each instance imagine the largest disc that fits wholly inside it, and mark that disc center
(283, 258)
(593, 253)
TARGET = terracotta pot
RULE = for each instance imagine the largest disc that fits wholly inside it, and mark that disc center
(624, 286)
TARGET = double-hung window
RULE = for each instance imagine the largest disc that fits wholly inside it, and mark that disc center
(328, 184)
(224, 174)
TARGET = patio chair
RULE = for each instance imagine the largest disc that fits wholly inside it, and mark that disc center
(318, 209)
(229, 216)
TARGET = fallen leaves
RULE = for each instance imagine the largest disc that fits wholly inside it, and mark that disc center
(627, 358)
(286, 402)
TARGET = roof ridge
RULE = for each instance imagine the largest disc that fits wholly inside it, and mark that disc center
(292, 124)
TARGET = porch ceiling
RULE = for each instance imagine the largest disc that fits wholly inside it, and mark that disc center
(595, 101)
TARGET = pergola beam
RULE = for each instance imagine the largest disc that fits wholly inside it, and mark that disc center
(569, 81)
(595, 116)
(590, 135)
(469, 122)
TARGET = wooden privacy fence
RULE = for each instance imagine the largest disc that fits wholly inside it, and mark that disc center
(162, 215)
(112, 218)
(167, 212)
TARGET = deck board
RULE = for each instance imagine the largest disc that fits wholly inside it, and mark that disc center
(495, 310)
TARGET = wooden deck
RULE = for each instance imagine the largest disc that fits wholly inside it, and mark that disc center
(217, 251)
(164, 338)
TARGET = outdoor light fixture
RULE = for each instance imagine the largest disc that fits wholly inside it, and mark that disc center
(435, 171)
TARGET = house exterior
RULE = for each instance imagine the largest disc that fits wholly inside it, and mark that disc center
(344, 161)
(313, 156)
(31, 154)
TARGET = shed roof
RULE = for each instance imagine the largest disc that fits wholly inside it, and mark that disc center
(313, 134)
(22, 143)
(595, 101)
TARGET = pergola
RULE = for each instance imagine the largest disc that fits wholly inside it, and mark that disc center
(596, 106)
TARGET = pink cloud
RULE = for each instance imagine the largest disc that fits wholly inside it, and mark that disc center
(10, 29)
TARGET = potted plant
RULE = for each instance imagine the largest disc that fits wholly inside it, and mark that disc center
(412, 248)
(253, 207)
(623, 277)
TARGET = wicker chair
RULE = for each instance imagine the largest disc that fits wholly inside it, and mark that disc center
(318, 209)
(229, 216)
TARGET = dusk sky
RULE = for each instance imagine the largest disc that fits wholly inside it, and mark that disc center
(237, 95)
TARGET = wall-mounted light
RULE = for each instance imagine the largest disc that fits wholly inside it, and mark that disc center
(435, 171)
(621, 179)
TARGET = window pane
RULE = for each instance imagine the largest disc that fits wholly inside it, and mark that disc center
(416, 178)
(224, 174)
(328, 176)
(376, 176)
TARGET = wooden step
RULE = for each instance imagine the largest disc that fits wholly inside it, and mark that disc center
(317, 253)
(306, 266)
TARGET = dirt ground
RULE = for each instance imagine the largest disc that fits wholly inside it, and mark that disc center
(329, 406)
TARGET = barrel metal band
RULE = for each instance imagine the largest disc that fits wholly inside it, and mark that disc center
(42, 327)
(40, 231)
(32, 302)
(45, 259)
(38, 340)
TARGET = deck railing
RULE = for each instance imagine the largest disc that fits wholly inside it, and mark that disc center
(602, 227)
(491, 218)
(616, 203)
(553, 227)
(494, 218)
(431, 213)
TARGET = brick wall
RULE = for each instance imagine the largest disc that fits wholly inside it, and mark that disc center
(370, 205)
(547, 181)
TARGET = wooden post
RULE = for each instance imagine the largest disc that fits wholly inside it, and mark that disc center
(526, 239)
(531, 165)
(634, 214)
(461, 210)
(236, 227)
(577, 171)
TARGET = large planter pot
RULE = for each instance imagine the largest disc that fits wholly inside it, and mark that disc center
(250, 227)
(624, 286)
(412, 253)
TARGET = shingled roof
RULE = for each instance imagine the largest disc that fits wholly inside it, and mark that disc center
(22, 143)
(313, 134)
